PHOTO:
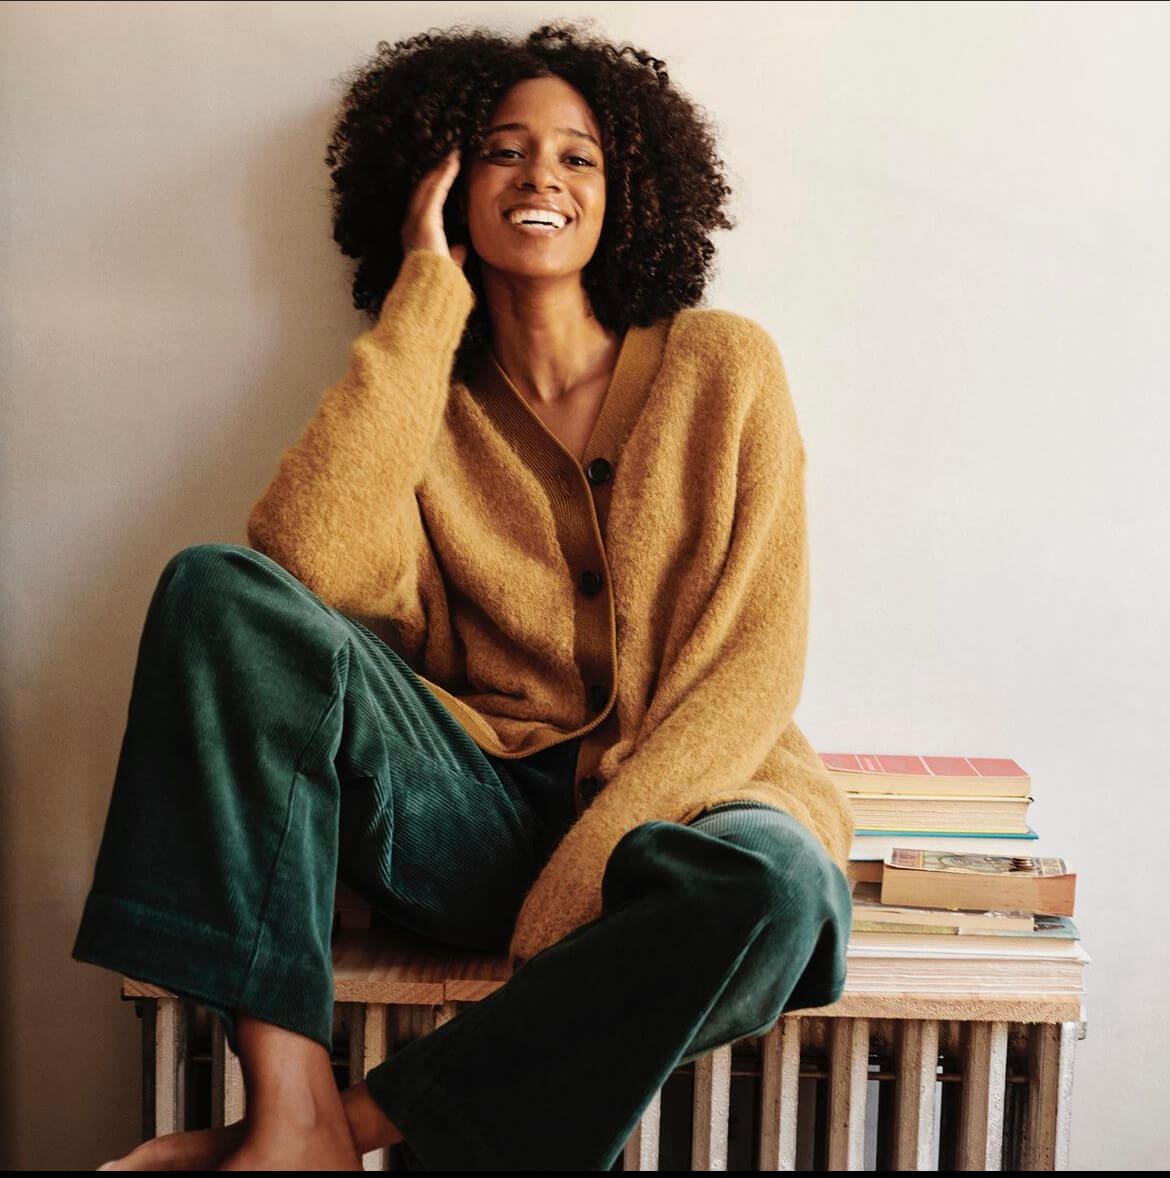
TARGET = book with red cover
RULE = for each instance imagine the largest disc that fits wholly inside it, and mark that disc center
(899, 773)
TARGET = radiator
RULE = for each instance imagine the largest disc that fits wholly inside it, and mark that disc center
(813, 1093)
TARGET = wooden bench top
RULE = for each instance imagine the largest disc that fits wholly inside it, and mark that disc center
(394, 966)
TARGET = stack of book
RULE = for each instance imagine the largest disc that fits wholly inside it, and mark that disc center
(950, 891)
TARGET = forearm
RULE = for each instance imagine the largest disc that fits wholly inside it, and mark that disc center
(333, 513)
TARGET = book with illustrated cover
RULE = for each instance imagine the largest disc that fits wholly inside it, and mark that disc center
(971, 864)
(953, 879)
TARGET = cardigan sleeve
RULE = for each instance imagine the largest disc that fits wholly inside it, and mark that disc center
(721, 706)
(340, 513)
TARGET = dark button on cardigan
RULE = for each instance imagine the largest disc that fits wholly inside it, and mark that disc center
(599, 471)
(591, 582)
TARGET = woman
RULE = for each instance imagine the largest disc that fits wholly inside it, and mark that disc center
(572, 501)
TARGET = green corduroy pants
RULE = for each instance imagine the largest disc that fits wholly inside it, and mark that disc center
(274, 744)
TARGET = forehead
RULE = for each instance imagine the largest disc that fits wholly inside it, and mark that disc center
(545, 106)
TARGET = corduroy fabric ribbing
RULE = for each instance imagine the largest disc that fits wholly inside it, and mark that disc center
(273, 744)
(447, 511)
(709, 932)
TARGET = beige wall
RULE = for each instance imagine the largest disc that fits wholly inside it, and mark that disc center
(953, 222)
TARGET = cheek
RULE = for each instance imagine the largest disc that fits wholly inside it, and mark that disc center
(594, 203)
(480, 206)
(595, 214)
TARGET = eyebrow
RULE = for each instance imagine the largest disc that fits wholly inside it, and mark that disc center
(562, 130)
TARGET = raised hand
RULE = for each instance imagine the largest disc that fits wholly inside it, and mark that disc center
(423, 228)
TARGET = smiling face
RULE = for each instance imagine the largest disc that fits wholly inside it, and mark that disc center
(542, 149)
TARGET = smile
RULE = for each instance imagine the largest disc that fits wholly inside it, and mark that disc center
(536, 230)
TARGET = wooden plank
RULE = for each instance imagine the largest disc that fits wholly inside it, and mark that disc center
(848, 1081)
(397, 967)
(403, 1025)
(984, 1090)
(641, 1148)
(445, 1012)
(227, 1079)
(170, 1066)
(779, 1095)
(217, 1046)
(1050, 1073)
(915, 1095)
(1070, 1032)
(366, 1027)
(968, 1007)
(233, 1086)
(394, 966)
(712, 1105)
(146, 1009)
(352, 911)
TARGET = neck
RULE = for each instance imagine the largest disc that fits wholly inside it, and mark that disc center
(545, 337)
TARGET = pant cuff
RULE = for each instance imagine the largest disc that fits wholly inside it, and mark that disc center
(205, 964)
(438, 1135)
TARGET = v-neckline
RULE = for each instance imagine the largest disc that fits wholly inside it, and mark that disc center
(608, 399)
(635, 371)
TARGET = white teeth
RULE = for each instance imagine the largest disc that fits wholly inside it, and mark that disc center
(544, 216)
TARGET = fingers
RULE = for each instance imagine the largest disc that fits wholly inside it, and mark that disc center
(447, 171)
(436, 183)
(423, 227)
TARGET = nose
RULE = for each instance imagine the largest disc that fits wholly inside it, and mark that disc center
(540, 171)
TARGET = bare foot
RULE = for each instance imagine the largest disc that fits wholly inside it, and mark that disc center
(205, 1149)
(369, 1125)
(295, 1117)
(197, 1149)
(327, 1147)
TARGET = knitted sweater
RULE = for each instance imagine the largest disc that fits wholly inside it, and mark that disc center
(652, 601)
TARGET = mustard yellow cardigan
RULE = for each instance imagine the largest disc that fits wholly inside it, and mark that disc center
(652, 600)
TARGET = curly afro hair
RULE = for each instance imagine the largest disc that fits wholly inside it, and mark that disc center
(413, 101)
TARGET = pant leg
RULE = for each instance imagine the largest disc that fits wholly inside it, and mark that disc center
(708, 933)
(809, 885)
(434, 833)
(270, 744)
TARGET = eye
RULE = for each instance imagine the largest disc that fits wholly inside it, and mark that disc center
(499, 150)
